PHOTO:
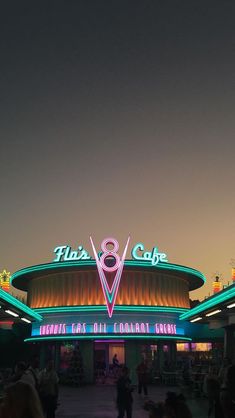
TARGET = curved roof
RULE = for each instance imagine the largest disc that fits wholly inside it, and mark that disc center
(21, 278)
(8, 301)
(218, 301)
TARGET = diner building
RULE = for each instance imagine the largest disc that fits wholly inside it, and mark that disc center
(82, 310)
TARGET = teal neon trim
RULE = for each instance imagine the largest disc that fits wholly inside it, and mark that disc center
(167, 266)
(19, 305)
(89, 263)
(111, 336)
(101, 308)
(50, 266)
(223, 296)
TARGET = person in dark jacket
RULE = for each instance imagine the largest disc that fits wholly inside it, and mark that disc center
(142, 373)
(227, 394)
(124, 394)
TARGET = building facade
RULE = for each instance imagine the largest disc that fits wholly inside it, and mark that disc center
(93, 307)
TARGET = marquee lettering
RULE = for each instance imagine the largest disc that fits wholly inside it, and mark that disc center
(106, 328)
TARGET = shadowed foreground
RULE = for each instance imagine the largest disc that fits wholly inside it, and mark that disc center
(99, 402)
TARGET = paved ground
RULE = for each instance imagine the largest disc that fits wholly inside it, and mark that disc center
(99, 402)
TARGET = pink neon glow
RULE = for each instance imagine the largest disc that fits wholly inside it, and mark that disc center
(79, 328)
(117, 278)
(111, 241)
(165, 328)
(105, 327)
(109, 341)
(131, 327)
(109, 253)
(6, 322)
(50, 329)
(109, 268)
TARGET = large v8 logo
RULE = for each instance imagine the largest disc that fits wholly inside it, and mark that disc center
(110, 293)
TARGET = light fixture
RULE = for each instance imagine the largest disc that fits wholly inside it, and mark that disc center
(26, 320)
(196, 319)
(11, 313)
(213, 312)
(231, 306)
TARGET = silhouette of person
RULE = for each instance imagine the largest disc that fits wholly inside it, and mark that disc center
(124, 394)
(142, 373)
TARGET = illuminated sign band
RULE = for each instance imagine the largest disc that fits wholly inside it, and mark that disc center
(104, 328)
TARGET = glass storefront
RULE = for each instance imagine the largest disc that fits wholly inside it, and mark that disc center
(71, 364)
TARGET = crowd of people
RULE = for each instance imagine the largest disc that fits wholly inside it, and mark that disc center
(173, 407)
(30, 393)
(218, 388)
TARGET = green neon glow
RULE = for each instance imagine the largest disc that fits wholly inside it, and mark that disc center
(50, 266)
(111, 336)
(99, 308)
(219, 298)
(89, 263)
(15, 302)
(154, 256)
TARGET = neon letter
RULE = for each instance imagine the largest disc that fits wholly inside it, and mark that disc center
(137, 247)
(59, 252)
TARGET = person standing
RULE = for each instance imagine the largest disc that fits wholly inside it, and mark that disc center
(21, 400)
(115, 361)
(211, 388)
(124, 394)
(142, 373)
(21, 373)
(49, 390)
(223, 370)
(116, 365)
(227, 394)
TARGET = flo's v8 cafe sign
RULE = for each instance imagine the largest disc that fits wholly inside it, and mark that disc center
(109, 260)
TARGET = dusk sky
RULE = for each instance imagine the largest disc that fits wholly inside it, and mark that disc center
(117, 118)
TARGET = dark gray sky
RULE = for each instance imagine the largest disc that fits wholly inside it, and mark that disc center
(117, 117)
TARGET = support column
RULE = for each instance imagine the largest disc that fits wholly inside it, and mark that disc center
(87, 353)
(132, 358)
(173, 354)
(42, 359)
(160, 356)
(229, 342)
(107, 358)
(57, 356)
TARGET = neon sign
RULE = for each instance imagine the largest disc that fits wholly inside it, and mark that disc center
(110, 294)
(154, 256)
(83, 328)
(115, 268)
(65, 253)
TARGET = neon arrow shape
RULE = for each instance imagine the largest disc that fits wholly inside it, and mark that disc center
(110, 295)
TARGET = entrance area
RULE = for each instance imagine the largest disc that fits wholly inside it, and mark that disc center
(78, 362)
(109, 356)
